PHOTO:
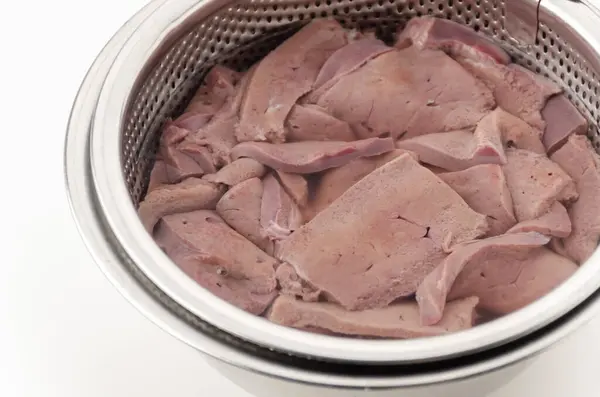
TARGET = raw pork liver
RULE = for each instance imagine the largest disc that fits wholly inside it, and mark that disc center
(237, 172)
(382, 247)
(219, 259)
(484, 189)
(399, 320)
(310, 156)
(535, 183)
(578, 158)
(514, 132)
(562, 120)
(283, 76)
(496, 253)
(190, 195)
(408, 93)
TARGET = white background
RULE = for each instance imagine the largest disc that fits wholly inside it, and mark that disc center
(64, 331)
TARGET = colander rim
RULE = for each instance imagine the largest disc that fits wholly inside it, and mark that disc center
(139, 247)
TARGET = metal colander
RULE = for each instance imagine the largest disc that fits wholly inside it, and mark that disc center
(161, 64)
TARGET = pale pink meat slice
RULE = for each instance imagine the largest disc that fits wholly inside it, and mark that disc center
(219, 259)
(158, 176)
(291, 284)
(515, 132)
(382, 236)
(579, 159)
(295, 185)
(313, 123)
(211, 144)
(240, 208)
(192, 121)
(179, 164)
(335, 181)
(189, 195)
(311, 156)
(555, 223)
(517, 90)
(408, 93)
(457, 150)
(399, 320)
(218, 85)
(511, 282)
(283, 76)
(562, 120)
(451, 37)
(494, 252)
(346, 60)
(483, 187)
(279, 214)
(535, 183)
(237, 171)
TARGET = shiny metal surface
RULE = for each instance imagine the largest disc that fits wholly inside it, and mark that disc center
(109, 151)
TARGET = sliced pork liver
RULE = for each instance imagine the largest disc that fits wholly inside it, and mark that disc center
(408, 93)
(218, 85)
(346, 60)
(189, 195)
(400, 320)
(279, 215)
(240, 208)
(493, 253)
(515, 132)
(179, 164)
(283, 76)
(562, 120)
(517, 90)
(313, 123)
(219, 259)
(334, 182)
(291, 284)
(237, 172)
(483, 187)
(535, 183)
(555, 223)
(578, 158)
(513, 280)
(296, 186)
(158, 176)
(311, 156)
(457, 150)
(451, 37)
(382, 236)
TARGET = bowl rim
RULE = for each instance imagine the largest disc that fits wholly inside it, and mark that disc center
(135, 245)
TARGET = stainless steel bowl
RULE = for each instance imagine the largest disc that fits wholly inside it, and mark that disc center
(151, 68)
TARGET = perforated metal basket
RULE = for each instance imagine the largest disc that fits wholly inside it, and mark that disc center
(155, 66)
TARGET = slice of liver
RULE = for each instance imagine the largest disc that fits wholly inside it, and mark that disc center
(382, 236)
(457, 150)
(562, 120)
(180, 164)
(344, 61)
(334, 182)
(408, 93)
(295, 185)
(279, 215)
(483, 187)
(283, 76)
(313, 123)
(400, 320)
(193, 121)
(218, 85)
(578, 158)
(219, 259)
(240, 208)
(291, 284)
(515, 132)
(451, 37)
(311, 156)
(517, 90)
(495, 253)
(189, 195)
(555, 223)
(535, 183)
(512, 282)
(238, 171)
(158, 176)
